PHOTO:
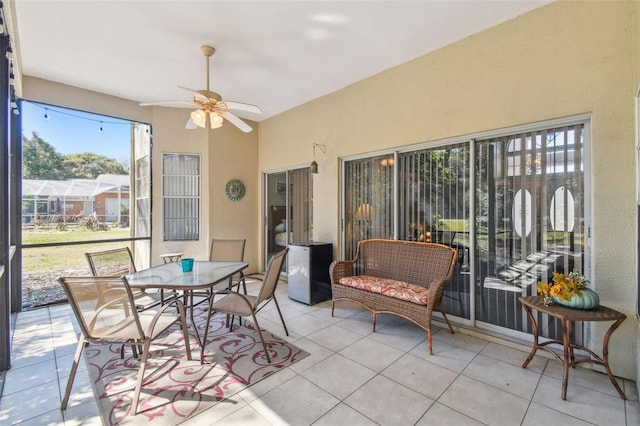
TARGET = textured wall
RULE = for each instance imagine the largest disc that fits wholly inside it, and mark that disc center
(565, 59)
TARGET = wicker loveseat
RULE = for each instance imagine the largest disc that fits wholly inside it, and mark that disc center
(403, 278)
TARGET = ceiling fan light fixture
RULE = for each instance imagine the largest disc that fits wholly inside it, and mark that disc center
(215, 119)
(199, 117)
(210, 107)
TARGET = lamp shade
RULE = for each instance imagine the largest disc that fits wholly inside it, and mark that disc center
(313, 167)
(216, 120)
(199, 117)
(363, 212)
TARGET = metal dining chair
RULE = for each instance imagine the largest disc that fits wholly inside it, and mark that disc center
(235, 303)
(229, 251)
(106, 313)
(116, 263)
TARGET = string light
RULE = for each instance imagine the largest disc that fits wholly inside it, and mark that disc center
(48, 111)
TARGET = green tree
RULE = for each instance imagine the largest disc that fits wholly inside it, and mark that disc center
(41, 160)
(88, 166)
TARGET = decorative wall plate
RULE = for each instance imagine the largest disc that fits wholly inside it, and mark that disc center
(235, 190)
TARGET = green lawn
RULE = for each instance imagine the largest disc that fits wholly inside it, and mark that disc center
(65, 257)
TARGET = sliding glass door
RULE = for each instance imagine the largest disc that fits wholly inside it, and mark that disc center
(434, 206)
(530, 218)
(368, 204)
(513, 206)
(289, 208)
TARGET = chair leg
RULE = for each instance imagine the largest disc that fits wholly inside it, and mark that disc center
(140, 380)
(446, 320)
(280, 313)
(244, 285)
(264, 345)
(72, 374)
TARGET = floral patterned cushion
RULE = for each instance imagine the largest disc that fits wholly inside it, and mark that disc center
(388, 287)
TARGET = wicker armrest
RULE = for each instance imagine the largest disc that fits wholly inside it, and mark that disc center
(436, 291)
(340, 269)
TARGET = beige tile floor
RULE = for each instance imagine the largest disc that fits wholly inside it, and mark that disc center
(352, 377)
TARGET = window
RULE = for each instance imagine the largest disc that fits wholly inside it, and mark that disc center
(181, 197)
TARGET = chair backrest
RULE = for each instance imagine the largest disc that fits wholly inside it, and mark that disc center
(271, 276)
(104, 307)
(227, 250)
(409, 261)
(111, 263)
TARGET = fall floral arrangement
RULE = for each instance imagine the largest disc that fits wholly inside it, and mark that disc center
(563, 286)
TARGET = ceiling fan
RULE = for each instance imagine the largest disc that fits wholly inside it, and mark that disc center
(210, 108)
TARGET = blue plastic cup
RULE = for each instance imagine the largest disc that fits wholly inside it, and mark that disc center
(187, 264)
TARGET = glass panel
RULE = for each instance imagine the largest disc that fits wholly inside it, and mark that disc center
(300, 193)
(434, 207)
(277, 232)
(142, 192)
(289, 204)
(530, 219)
(368, 200)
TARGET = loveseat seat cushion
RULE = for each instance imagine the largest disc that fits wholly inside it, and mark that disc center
(388, 287)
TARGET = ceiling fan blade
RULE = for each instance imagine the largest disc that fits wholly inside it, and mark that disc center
(195, 92)
(190, 124)
(239, 106)
(237, 122)
(173, 104)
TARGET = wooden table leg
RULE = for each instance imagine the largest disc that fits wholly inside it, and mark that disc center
(571, 325)
(565, 369)
(605, 356)
(534, 324)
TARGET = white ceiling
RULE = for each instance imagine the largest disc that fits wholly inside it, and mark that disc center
(274, 54)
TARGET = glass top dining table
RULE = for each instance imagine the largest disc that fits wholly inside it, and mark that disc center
(169, 276)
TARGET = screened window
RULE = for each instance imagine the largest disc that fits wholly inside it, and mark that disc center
(181, 197)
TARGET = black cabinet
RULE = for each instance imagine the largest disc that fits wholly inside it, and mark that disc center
(308, 269)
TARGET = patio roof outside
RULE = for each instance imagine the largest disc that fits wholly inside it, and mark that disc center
(74, 188)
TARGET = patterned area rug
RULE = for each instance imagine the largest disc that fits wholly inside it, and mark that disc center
(176, 388)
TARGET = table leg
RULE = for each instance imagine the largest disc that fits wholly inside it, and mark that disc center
(189, 306)
(605, 356)
(571, 325)
(534, 324)
(565, 370)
